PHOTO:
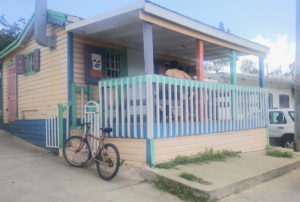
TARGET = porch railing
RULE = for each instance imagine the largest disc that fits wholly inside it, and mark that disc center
(154, 106)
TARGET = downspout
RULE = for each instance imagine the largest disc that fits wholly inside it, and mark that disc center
(40, 25)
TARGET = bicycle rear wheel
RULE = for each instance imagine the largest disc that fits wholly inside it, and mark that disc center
(108, 162)
(76, 151)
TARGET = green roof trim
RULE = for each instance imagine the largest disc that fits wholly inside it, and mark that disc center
(53, 17)
(56, 18)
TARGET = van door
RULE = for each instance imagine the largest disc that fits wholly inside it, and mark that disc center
(278, 123)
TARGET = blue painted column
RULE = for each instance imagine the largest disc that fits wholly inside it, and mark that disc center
(233, 67)
(148, 47)
(70, 72)
(261, 72)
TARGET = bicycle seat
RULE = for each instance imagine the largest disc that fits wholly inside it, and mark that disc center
(107, 130)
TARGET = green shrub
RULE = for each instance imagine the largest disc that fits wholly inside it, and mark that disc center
(204, 157)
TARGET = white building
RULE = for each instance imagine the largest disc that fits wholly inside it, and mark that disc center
(281, 91)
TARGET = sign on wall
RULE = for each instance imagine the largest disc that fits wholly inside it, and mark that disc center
(94, 64)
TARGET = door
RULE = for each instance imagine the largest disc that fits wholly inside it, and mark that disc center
(12, 93)
(278, 123)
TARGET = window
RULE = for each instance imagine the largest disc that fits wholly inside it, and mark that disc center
(270, 101)
(284, 101)
(113, 64)
(29, 66)
(292, 115)
(277, 118)
(104, 63)
(28, 63)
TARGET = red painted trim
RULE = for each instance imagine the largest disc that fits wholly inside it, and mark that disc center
(12, 93)
(199, 60)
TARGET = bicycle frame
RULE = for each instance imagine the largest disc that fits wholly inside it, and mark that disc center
(100, 147)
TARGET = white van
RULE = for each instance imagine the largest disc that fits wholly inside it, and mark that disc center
(281, 127)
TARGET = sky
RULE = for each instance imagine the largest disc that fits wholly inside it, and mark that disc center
(269, 22)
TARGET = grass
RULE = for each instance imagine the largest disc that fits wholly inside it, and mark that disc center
(278, 153)
(204, 157)
(190, 177)
(181, 191)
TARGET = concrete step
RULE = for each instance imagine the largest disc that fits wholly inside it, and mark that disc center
(232, 176)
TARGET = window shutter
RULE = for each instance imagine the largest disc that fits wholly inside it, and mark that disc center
(36, 60)
(20, 64)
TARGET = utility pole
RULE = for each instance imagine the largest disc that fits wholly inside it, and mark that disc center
(297, 80)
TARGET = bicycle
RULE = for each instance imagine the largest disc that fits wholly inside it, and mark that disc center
(77, 152)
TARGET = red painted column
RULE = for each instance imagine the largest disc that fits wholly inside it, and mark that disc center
(199, 60)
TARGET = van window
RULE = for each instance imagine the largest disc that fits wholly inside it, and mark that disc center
(277, 118)
(292, 115)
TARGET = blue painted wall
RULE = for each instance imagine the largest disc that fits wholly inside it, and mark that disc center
(32, 131)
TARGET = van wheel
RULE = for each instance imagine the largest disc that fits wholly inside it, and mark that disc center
(289, 144)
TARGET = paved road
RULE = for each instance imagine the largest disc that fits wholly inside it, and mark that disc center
(29, 173)
(285, 188)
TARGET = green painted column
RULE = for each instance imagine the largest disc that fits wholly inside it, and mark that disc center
(150, 152)
(232, 60)
(61, 110)
(90, 92)
(232, 67)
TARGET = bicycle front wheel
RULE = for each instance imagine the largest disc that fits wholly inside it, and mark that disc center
(76, 151)
(108, 162)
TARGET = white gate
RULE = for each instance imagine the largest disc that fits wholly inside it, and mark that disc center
(91, 116)
(52, 125)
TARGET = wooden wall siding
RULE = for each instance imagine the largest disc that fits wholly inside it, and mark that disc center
(47, 87)
(131, 150)
(32, 131)
(244, 141)
(79, 70)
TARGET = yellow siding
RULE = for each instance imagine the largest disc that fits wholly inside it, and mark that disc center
(132, 151)
(79, 69)
(47, 87)
(243, 140)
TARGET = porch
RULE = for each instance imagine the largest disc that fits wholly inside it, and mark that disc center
(154, 117)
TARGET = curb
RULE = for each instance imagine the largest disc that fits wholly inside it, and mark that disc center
(150, 174)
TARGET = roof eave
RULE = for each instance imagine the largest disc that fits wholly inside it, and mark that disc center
(116, 12)
(185, 21)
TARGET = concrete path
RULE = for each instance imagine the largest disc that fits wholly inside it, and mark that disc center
(232, 176)
(284, 188)
(29, 173)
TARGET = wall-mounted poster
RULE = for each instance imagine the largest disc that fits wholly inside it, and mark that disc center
(97, 61)
(94, 64)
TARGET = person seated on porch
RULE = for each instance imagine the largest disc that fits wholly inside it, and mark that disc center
(173, 70)
(160, 68)
(192, 72)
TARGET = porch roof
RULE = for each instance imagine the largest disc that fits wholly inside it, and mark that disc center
(124, 24)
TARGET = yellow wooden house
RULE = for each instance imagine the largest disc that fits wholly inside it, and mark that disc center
(65, 61)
